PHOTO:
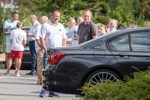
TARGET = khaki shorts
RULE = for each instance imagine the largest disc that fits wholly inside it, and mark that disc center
(8, 47)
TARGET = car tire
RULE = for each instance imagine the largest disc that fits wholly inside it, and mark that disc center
(102, 75)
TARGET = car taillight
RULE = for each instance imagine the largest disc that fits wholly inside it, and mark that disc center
(55, 57)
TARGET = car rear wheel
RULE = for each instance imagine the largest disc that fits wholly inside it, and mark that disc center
(100, 76)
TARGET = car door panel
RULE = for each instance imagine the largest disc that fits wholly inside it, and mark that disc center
(132, 51)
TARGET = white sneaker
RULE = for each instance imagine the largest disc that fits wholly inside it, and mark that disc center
(18, 75)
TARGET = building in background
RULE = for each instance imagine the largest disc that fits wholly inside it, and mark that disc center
(8, 4)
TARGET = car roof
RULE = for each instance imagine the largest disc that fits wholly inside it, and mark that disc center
(118, 32)
(130, 30)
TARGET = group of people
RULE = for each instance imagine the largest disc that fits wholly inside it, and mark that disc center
(45, 34)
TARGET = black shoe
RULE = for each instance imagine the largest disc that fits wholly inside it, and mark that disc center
(30, 73)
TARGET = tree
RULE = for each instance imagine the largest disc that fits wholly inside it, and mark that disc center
(50, 5)
(125, 11)
(145, 4)
(25, 3)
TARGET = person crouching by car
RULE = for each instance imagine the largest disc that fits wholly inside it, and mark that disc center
(18, 39)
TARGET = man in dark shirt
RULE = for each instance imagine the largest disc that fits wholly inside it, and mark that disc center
(87, 30)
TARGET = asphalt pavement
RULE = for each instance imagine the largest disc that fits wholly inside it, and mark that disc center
(24, 87)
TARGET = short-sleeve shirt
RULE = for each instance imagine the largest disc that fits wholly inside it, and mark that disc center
(86, 32)
(37, 36)
(111, 30)
(72, 36)
(53, 34)
(18, 36)
(75, 37)
(33, 29)
(6, 25)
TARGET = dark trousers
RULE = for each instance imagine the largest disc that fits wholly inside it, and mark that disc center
(33, 55)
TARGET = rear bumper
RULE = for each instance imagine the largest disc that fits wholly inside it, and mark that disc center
(59, 82)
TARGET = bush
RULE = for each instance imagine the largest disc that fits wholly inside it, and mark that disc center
(137, 88)
(147, 24)
(2, 36)
(2, 41)
(102, 19)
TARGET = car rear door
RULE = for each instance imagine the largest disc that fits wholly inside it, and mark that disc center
(132, 51)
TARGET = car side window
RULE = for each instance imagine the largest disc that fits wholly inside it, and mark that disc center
(120, 43)
(140, 41)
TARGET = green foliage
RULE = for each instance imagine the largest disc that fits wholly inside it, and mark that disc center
(50, 5)
(24, 16)
(2, 41)
(145, 6)
(25, 4)
(147, 24)
(123, 17)
(125, 11)
(137, 88)
(102, 19)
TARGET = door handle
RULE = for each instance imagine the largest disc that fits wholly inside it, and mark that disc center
(124, 54)
(121, 55)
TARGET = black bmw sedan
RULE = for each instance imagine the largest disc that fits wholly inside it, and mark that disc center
(109, 57)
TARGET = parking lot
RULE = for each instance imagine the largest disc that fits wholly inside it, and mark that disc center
(24, 88)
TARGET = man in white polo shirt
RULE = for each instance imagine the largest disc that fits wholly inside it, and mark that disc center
(18, 39)
(53, 34)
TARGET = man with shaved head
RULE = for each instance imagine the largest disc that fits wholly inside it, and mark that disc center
(38, 48)
(53, 34)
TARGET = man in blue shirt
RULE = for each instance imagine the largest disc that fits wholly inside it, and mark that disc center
(8, 26)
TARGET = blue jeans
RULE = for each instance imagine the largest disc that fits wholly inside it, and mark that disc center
(45, 59)
(33, 56)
